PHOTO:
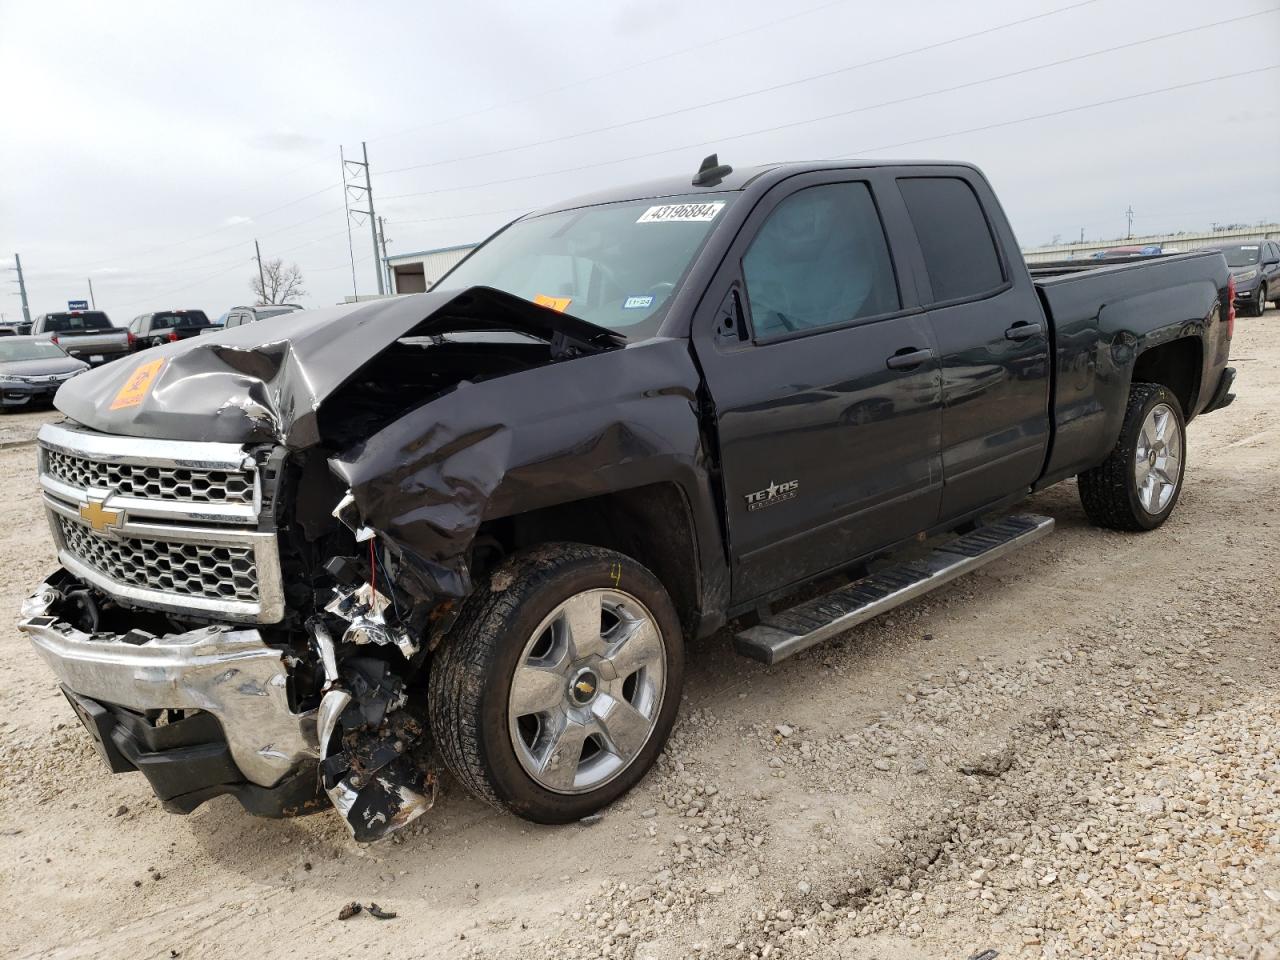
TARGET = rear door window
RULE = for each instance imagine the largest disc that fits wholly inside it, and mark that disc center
(68, 322)
(960, 252)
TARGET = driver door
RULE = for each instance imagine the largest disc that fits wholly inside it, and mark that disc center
(826, 386)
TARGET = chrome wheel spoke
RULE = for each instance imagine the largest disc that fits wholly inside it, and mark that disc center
(1142, 470)
(623, 728)
(580, 619)
(557, 767)
(536, 689)
(636, 646)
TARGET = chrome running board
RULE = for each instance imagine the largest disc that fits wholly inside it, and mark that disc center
(821, 618)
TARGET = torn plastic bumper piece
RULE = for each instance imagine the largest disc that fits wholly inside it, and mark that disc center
(377, 771)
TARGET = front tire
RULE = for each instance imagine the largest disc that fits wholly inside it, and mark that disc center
(1137, 486)
(1262, 300)
(559, 684)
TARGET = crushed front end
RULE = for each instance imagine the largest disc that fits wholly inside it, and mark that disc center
(216, 626)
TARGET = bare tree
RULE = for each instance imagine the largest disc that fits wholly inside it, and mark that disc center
(283, 284)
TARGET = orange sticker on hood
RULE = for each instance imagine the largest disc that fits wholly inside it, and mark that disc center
(558, 304)
(138, 385)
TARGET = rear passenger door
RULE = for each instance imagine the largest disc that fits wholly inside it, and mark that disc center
(827, 402)
(991, 336)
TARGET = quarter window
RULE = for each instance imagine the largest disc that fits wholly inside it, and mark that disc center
(960, 253)
(820, 259)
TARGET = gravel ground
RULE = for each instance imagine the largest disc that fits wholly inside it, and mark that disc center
(1072, 753)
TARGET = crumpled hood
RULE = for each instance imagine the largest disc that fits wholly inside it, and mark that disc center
(265, 381)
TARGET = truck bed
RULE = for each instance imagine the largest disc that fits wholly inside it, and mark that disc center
(1098, 314)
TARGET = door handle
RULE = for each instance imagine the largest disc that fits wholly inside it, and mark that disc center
(1022, 331)
(908, 358)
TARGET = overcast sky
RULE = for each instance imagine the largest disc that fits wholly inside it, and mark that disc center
(148, 145)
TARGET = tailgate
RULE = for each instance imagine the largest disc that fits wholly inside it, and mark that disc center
(90, 346)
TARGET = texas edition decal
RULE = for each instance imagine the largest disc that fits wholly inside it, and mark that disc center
(773, 493)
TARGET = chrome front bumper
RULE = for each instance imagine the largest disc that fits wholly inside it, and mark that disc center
(228, 672)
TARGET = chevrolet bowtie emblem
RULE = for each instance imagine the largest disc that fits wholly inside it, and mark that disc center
(585, 687)
(99, 517)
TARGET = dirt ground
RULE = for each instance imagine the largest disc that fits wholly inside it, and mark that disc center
(1071, 753)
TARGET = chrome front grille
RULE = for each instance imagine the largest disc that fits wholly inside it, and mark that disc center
(169, 525)
(186, 569)
(159, 483)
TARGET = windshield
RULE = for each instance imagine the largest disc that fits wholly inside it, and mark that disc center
(29, 350)
(179, 318)
(263, 312)
(1243, 256)
(615, 265)
(63, 322)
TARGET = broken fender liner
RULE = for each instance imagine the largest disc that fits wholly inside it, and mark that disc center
(264, 381)
(536, 438)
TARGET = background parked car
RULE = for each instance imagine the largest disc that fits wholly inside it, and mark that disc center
(166, 326)
(32, 369)
(85, 334)
(241, 315)
(1255, 267)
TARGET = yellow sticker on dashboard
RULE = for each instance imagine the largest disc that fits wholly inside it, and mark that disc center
(138, 385)
(559, 304)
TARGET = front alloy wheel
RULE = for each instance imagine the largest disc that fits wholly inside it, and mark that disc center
(585, 696)
(559, 683)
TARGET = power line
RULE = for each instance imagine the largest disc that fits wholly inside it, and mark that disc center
(720, 101)
(609, 73)
(1058, 113)
(257, 216)
(498, 106)
(781, 126)
(229, 226)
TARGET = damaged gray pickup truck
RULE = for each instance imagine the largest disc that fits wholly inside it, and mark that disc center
(474, 528)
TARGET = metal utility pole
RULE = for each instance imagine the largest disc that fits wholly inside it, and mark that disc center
(352, 191)
(386, 264)
(262, 280)
(373, 227)
(350, 184)
(346, 204)
(93, 304)
(1129, 213)
(22, 288)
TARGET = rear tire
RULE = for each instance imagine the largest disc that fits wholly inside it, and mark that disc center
(559, 684)
(1137, 486)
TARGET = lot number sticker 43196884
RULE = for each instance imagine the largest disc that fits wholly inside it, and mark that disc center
(681, 213)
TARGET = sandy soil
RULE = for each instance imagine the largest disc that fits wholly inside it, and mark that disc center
(815, 808)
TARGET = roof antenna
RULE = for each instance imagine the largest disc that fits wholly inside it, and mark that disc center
(711, 172)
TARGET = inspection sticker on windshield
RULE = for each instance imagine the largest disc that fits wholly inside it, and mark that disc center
(138, 385)
(637, 303)
(559, 304)
(681, 213)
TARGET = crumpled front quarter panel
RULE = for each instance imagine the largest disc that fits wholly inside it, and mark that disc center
(574, 429)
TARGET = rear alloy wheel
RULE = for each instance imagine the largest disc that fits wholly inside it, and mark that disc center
(558, 686)
(1137, 486)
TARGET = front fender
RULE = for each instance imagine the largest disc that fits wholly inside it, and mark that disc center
(593, 424)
